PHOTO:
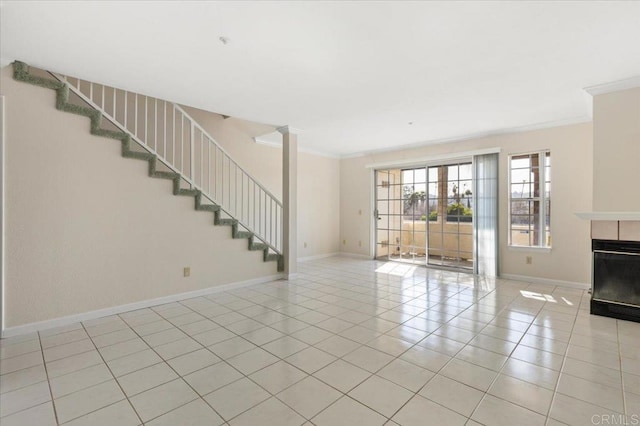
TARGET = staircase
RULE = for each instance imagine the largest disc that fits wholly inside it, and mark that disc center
(177, 149)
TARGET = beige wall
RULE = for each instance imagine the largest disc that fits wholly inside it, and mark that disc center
(318, 179)
(571, 152)
(616, 147)
(87, 229)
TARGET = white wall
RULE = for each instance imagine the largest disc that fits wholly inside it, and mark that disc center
(571, 152)
(616, 140)
(87, 229)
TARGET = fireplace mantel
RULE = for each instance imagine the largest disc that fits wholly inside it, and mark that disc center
(609, 215)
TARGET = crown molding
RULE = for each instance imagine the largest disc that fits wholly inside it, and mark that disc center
(614, 86)
(478, 135)
(266, 142)
(288, 129)
(273, 144)
(434, 158)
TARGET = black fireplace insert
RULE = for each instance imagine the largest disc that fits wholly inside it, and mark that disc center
(616, 279)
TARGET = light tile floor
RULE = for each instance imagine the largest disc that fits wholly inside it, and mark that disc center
(348, 342)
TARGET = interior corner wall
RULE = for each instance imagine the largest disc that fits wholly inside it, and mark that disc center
(318, 181)
(571, 182)
(616, 150)
(87, 229)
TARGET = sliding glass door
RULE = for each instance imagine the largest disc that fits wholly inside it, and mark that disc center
(424, 215)
(450, 231)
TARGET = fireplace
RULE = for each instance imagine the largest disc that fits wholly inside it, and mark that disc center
(616, 279)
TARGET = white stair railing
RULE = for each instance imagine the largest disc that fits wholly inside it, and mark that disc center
(166, 130)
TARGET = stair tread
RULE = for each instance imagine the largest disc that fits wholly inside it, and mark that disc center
(208, 208)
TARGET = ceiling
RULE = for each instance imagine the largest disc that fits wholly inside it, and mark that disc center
(352, 76)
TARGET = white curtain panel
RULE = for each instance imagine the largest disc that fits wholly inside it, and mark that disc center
(485, 217)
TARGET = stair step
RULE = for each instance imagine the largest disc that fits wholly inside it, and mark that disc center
(80, 110)
(226, 222)
(21, 73)
(110, 134)
(242, 234)
(187, 192)
(164, 175)
(257, 246)
(270, 257)
(137, 155)
(208, 208)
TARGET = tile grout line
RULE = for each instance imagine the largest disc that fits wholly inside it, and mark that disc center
(503, 365)
(114, 379)
(564, 360)
(244, 376)
(624, 398)
(398, 357)
(468, 418)
(55, 411)
(180, 377)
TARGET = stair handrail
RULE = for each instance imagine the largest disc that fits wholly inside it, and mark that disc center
(212, 140)
(269, 236)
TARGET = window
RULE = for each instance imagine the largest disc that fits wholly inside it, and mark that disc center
(530, 199)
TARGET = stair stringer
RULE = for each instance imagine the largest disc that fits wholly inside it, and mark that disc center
(21, 73)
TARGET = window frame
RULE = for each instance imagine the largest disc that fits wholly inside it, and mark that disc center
(544, 156)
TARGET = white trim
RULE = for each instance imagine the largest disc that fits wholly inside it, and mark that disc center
(289, 277)
(317, 256)
(71, 319)
(614, 86)
(530, 248)
(497, 132)
(2, 227)
(355, 255)
(537, 280)
(263, 141)
(353, 155)
(4, 61)
(478, 135)
(373, 216)
(608, 215)
(288, 129)
(425, 161)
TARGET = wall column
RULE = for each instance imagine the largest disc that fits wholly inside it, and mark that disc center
(290, 200)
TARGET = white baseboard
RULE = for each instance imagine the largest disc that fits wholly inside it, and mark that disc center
(355, 255)
(317, 256)
(537, 280)
(62, 321)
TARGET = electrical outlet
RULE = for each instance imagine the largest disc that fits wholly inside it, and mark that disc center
(529, 260)
(344, 242)
(187, 271)
(305, 244)
(360, 212)
(359, 243)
